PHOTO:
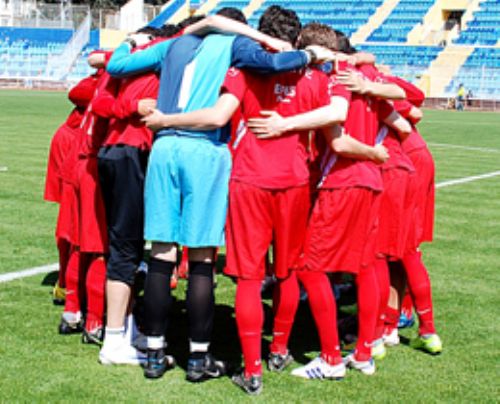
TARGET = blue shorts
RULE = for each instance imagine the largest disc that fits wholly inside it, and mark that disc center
(186, 191)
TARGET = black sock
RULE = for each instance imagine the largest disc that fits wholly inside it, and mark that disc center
(200, 303)
(157, 296)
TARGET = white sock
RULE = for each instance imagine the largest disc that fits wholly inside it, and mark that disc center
(198, 346)
(131, 330)
(113, 336)
(156, 342)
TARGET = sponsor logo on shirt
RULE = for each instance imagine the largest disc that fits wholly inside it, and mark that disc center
(284, 93)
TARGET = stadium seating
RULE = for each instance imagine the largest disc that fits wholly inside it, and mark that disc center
(479, 74)
(24, 52)
(401, 21)
(239, 4)
(343, 15)
(484, 29)
(408, 62)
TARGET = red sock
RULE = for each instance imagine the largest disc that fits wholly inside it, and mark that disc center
(184, 265)
(285, 303)
(382, 273)
(73, 271)
(324, 311)
(249, 319)
(391, 318)
(368, 304)
(407, 305)
(64, 248)
(419, 286)
(96, 280)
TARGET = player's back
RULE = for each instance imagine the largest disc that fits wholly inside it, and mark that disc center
(280, 162)
(191, 76)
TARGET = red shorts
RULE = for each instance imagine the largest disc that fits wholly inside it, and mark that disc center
(422, 192)
(393, 217)
(258, 217)
(92, 218)
(342, 230)
(67, 219)
(59, 147)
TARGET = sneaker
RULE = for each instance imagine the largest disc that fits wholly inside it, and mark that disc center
(122, 354)
(58, 295)
(430, 343)
(365, 367)
(405, 320)
(278, 362)
(318, 368)
(199, 370)
(94, 336)
(378, 350)
(157, 363)
(71, 323)
(391, 337)
(251, 385)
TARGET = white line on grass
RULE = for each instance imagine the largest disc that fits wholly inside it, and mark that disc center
(467, 179)
(10, 276)
(471, 148)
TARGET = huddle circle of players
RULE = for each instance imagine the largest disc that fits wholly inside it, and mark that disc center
(210, 133)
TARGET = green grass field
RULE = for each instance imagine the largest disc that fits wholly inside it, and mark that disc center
(36, 364)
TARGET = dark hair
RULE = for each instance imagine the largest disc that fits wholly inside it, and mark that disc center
(233, 13)
(169, 30)
(190, 21)
(315, 33)
(151, 31)
(343, 43)
(281, 23)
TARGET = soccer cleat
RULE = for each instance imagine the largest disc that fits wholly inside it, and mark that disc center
(157, 363)
(391, 337)
(122, 354)
(318, 368)
(405, 320)
(278, 362)
(199, 370)
(94, 336)
(71, 323)
(251, 385)
(365, 367)
(378, 350)
(58, 295)
(430, 343)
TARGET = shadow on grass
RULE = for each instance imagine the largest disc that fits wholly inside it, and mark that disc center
(50, 279)
(225, 345)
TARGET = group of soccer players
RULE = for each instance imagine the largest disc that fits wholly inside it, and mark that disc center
(212, 133)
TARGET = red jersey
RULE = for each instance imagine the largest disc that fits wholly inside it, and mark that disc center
(414, 95)
(414, 141)
(119, 101)
(277, 163)
(93, 128)
(397, 157)
(80, 95)
(362, 123)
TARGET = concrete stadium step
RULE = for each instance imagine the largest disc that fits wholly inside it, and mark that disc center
(253, 6)
(374, 22)
(443, 68)
(422, 33)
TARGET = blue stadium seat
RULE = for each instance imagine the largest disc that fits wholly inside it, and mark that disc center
(401, 21)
